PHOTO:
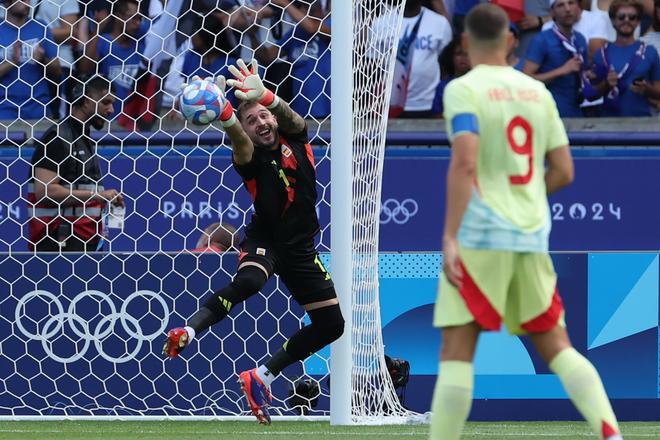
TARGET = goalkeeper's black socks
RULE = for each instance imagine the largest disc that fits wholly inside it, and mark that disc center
(248, 281)
(201, 320)
(278, 362)
(327, 326)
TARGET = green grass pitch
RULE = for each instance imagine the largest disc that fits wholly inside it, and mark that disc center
(183, 430)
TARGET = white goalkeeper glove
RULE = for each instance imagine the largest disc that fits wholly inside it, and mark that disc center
(227, 116)
(249, 86)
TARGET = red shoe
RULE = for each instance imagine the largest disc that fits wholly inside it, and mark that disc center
(258, 395)
(609, 433)
(176, 340)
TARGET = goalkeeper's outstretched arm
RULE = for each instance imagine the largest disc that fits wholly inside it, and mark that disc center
(241, 145)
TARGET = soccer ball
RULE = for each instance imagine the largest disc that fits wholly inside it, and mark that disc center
(201, 102)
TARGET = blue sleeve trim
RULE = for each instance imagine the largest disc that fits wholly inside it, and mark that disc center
(464, 122)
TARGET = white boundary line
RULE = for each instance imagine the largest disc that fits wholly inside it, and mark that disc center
(159, 418)
(290, 434)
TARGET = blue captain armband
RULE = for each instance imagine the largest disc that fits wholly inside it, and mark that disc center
(464, 123)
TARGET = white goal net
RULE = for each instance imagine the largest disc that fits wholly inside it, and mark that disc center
(83, 312)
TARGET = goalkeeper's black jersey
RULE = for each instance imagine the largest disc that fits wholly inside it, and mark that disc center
(282, 183)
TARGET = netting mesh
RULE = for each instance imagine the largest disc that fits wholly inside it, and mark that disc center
(82, 330)
(374, 396)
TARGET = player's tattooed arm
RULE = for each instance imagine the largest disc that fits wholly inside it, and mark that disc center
(288, 120)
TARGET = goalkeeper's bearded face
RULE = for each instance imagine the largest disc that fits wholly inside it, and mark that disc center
(260, 125)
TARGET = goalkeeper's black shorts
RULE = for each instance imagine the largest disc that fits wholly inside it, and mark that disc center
(299, 267)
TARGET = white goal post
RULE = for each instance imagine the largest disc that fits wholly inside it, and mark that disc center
(362, 71)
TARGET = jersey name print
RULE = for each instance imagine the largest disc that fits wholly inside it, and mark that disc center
(517, 122)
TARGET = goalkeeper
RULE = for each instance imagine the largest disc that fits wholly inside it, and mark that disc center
(272, 154)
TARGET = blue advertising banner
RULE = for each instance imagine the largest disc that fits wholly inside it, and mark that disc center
(610, 206)
(83, 334)
(613, 320)
(172, 195)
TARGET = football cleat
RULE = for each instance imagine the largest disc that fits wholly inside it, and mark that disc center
(258, 395)
(176, 340)
(609, 432)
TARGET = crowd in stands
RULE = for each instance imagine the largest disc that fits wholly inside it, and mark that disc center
(588, 53)
(48, 46)
(597, 57)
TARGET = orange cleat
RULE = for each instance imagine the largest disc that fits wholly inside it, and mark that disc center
(258, 395)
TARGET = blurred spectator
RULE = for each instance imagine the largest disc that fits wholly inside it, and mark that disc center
(454, 63)
(61, 17)
(101, 20)
(593, 26)
(151, 8)
(25, 61)
(117, 55)
(424, 34)
(512, 58)
(306, 46)
(652, 37)
(218, 237)
(271, 22)
(140, 109)
(602, 7)
(537, 12)
(191, 18)
(208, 55)
(66, 195)
(437, 6)
(627, 71)
(98, 14)
(227, 11)
(558, 56)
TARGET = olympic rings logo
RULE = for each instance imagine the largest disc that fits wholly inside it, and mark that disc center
(398, 212)
(54, 325)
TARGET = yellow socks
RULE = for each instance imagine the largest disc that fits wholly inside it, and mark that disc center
(583, 385)
(452, 400)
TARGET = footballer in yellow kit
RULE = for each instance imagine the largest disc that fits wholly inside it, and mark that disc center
(503, 236)
(504, 129)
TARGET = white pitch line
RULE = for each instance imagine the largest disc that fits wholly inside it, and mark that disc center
(334, 434)
(234, 433)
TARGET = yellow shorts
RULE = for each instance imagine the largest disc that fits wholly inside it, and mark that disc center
(517, 287)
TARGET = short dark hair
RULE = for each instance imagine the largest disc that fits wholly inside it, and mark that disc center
(243, 107)
(618, 4)
(486, 22)
(81, 89)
